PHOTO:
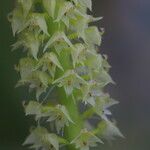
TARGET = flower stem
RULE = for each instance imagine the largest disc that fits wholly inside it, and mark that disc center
(73, 129)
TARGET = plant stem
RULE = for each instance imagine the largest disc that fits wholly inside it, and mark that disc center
(73, 129)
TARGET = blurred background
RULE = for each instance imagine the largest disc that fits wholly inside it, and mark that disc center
(127, 44)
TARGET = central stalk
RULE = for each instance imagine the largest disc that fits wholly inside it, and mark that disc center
(73, 129)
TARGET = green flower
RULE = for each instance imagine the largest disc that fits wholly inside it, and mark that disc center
(26, 67)
(18, 20)
(93, 61)
(66, 6)
(86, 3)
(58, 37)
(82, 56)
(39, 138)
(33, 108)
(30, 43)
(49, 62)
(37, 80)
(69, 81)
(85, 140)
(102, 103)
(57, 114)
(108, 130)
(92, 36)
(78, 54)
(90, 93)
(38, 20)
(60, 116)
(102, 77)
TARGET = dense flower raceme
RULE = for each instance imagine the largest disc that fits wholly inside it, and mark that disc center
(60, 56)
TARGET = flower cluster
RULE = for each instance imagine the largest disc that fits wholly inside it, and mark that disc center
(60, 42)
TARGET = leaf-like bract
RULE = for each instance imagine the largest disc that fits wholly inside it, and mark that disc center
(50, 6)
(42, 23)
(56, 37)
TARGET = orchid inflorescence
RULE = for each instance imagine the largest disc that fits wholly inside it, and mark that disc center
(62, 66)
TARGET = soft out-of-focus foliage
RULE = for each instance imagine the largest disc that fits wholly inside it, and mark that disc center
(61, 51)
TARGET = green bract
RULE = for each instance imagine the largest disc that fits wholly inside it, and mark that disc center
(62, 69)
(57, 37)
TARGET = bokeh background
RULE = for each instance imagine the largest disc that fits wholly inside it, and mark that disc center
(127, 44)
